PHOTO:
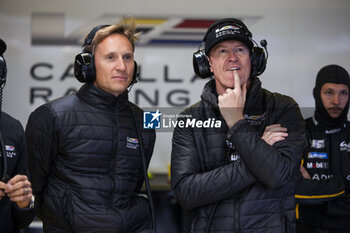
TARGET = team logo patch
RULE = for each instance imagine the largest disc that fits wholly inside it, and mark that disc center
(9, 148)
(320, 165)
(318, 144)
(152, 120)
(232, 27)
(227, 30)
(321, 176)
(10, 151)
(317, 155)
(235, 156)
(132, 143)
(255, 119)
(344, 146)
(332, 131)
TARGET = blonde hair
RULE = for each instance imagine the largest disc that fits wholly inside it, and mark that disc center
(126, 27)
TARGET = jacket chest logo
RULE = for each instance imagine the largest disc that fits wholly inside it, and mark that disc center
(132, 143)
(10, 151)
(318, 165)
(318, 143)
(255, 119)
(344, 146)
(317, 155)
(321, 177)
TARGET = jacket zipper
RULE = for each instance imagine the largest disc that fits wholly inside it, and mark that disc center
(114, 154)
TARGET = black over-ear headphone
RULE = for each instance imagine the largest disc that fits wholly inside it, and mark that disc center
(84, 65)
(3, 71)
(258, 58)
(3, 68)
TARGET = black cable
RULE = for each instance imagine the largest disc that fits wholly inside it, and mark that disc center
(4, 177)
(143, 158)
(211, 217)
(3, 74)
(216, 204)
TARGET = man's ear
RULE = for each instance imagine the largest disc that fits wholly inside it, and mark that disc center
(211, 70)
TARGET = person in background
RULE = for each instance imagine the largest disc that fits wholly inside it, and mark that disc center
(238, 176)
(16, 199)
(323, 190)
(88, 152)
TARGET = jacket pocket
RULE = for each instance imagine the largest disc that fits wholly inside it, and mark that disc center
(137, 217)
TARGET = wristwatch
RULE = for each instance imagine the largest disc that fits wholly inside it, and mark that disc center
(32, 202)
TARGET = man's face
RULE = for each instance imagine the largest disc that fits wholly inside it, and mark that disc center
(334, 98)
(114, 63)
(228, 57)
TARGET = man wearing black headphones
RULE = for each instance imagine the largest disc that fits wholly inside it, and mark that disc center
(323, 192)
(16, 200)
(88, 152)
(237, 176)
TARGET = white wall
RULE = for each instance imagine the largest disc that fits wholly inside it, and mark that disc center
(302, 37)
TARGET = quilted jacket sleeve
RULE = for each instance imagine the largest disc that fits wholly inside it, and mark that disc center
(274, 165)
(40, 134)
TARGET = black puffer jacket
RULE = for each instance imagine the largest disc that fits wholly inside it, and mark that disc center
(255, 190)
(324, 199)
(85, 163)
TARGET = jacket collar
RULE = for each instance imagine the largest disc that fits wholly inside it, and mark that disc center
(209, 93)
(328, 129)
(94, 96)
(255, 102)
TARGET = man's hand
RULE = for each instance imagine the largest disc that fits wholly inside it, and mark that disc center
(274, 133)
(2, 192)
(18, 189)
(304, 173)
(231, 103)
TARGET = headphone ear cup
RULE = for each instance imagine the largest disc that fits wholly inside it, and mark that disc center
(84, 65)
(3, 71)
(84, 68)
(258, 61)
(201, 65)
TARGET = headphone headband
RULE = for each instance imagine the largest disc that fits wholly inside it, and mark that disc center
(90, 37)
